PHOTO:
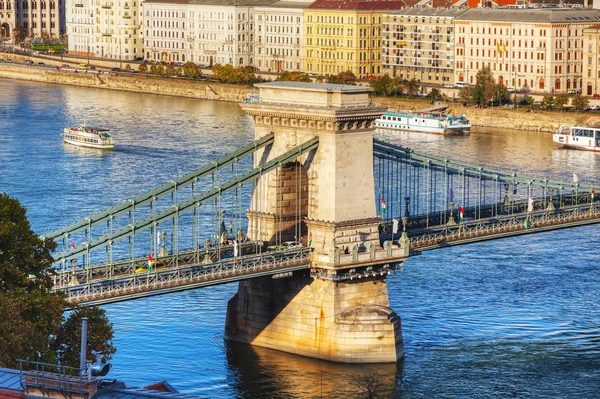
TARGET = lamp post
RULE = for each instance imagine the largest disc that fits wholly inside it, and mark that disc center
(120, 58)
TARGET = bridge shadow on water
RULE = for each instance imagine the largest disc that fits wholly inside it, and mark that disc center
(260, 372)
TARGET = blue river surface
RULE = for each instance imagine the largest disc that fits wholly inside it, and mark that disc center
(511, 318)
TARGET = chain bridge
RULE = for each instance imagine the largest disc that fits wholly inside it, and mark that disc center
(310, 218)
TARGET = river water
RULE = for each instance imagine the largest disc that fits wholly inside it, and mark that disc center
(517, 317)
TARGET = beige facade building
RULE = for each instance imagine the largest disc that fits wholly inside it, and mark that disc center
(279, 36)
(165, 31)
(105, 28)
(527, 49)
(591, 60)
(419, 43)
(38, 18)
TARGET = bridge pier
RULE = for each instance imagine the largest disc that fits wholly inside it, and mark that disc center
(339, 310)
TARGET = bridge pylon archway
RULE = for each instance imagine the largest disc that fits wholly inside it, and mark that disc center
(339, 310)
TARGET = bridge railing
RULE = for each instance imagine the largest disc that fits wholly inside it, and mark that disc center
(186, 277)
(503, 226)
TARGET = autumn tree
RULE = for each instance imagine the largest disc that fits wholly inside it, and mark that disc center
(19, 34)
(143, 68)
(561, 100)
(580, 102)
(190, 70)
(547, 102)
(343, 78)
(294, 77)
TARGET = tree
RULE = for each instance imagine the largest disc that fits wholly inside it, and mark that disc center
(190, 70)
(561, 100)
(99, 338)
(434, 94)
(547, 102)
(127, 67)
(466, 94)
(396, 86)
(31, 315)
(484, 88)
(381, 85)
(294, 77)
(19, 34)
(143, 68)
(580, 102)
(500, 94)
(412, 87)
(343, 78)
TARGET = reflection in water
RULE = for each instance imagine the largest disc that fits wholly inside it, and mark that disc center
(257, 371)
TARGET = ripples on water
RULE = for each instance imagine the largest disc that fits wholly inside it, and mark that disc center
(516, 317)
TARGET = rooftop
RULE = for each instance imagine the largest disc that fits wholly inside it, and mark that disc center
(314, 86)
(359, 5)
(431, 12)
(536, 15)
(10, 380)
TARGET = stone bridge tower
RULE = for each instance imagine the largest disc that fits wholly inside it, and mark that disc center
(338, 311)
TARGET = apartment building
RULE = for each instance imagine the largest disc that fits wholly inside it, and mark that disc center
(39, 18)
(419, 43)
(526, 49)
(164, 31)
(346, 36)
(80, 27)
(591, 60)
(279, 36)
(105, 28)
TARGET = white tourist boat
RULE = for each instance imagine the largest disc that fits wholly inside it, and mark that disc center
(582, 137)
(426, 122)
(85, 136)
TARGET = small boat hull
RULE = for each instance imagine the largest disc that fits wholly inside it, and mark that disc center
(90, 137)
(89, 145)
(442, 125)
(579, 137)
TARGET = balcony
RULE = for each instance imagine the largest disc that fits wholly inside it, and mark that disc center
(106, 34)
(106, 5)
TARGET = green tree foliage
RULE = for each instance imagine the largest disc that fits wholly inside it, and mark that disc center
(547, 102)
(99, 339)
(561, 100)
(527, 100)
(343, 78)
(143, 68)
(381, 86)
(500, 94)
(294, 77)
(158, 69)
(412, 87)
(190, 70)
(483, 91)
(466, 94)
(170, 70)
(19, 34)
(434, 94)
(30, 315)
(396, 86)
(580, 102)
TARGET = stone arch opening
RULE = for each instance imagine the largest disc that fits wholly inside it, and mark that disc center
(557, 84)
(5, 29)
(589, 89)
(501, 80)
(541, 84)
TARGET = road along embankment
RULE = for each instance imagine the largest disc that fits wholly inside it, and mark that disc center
(128, 82)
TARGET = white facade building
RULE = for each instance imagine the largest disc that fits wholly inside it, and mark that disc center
(105, 28)
(279, 36)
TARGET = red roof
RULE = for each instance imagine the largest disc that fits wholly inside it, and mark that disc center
(499, 3)
(362, 4)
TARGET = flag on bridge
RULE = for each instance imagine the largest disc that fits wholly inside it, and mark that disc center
(461, 214)
(235, 249)
(230, 226)
(310, 239)
(575, 178)
(394, 226)
(72, 244)
(593, 195)
(150, 263)
(530, 205)
(383, 206)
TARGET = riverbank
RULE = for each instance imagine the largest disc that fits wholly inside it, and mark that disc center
(498, 117)
(127, 82)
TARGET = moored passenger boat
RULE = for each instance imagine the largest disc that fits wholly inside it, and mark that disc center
(85, 136)
(426, 122)
(580, 137)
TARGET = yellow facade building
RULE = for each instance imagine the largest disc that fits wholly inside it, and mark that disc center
(345, 36)
(591, 61)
